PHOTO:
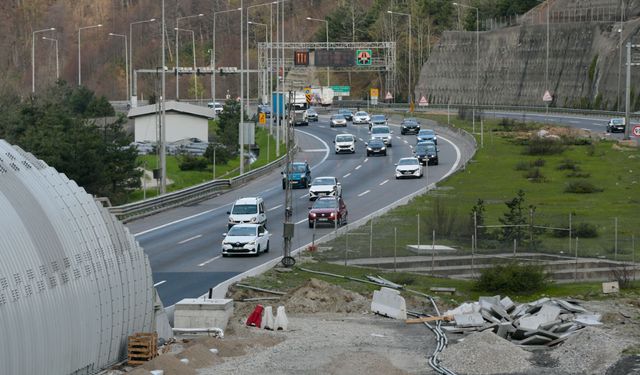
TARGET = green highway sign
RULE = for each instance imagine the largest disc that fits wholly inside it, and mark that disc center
(341, 90)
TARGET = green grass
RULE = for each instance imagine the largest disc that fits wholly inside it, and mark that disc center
(492, 176)
(465, 291)
(183, 179)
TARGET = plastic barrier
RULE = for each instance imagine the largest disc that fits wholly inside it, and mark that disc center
(390, 303)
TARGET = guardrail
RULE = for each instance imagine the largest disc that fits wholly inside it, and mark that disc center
(206, 190)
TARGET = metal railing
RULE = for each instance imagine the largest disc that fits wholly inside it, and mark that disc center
(206, 190)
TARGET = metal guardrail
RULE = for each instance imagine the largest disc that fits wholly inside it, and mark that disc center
(206, 190)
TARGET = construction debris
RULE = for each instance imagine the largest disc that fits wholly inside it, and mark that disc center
(545, 322)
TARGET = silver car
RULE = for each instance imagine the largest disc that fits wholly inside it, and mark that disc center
(383, 133)
(338, 120)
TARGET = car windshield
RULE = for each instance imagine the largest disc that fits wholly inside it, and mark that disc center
(425, 147)
(378, 118)
(298, 168)
(617, 121)
(410, 161)
(337, 117)
(324, 181)
(311, 111)
(325, 203)
(426, 132)
(375, 143)
(409, 122)
(245, 209)
(344, 138)
(242, 231)
(345, 111)
(380, 130)
(361, 113)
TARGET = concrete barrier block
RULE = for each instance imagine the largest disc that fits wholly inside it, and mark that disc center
(281, 322)
(201, 313)
(390, 303)
(267, 319)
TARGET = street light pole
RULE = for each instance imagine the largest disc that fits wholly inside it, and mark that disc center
(241, 87)
(327, 40)
(131, 93)
(163, 117)
(33, 56)
(410, 88)
(79, 58)
(126, 61)
(213, 59)
(57, 60)
(177, 51)
(477, 58)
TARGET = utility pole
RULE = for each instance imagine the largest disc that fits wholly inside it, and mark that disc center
(287, 259)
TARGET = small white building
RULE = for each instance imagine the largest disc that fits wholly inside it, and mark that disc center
(184, 120)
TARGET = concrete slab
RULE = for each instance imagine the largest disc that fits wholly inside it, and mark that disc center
(469, 320)
(521, 333)
(501, 312)
(547, 313)
(203, 313)
(571, 307)
(507, 304)
(487, 315)
(495, 300)
(564, 327)
(547, 326)
(428, 249)
(504, 329)
(588, 319)
(534, 340)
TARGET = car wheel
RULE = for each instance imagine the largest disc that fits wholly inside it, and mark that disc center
(225, 255)
(267, 249)
(257, 251)
(385, 153)
(284, 185)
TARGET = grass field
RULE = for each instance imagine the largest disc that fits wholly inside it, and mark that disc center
(495, 175)
(183, 179)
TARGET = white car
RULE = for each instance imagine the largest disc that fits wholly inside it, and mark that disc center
(217, 107)
(246, 239)
(361, 117)
(249, 210)
(408, 167)
(325, 186)
(345, 143)
(338, 120)
(383, 133)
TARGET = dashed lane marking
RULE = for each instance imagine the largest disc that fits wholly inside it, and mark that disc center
(189, 239)
(301, 221)
(384, 182)
(366, 160)
(364, 192)
(346, 175)
(209, 261)
(274, 208)
(358, 167)
(315, 150)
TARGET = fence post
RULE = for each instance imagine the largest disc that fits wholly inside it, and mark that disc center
(615, 239)
(418, 233)
(576, 267)
(395, 243)
(371, 239)
(433, 252)
(473, 240)
(346, 245)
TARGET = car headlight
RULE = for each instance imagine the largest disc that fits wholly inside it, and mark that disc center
(383, 148)
(251, 242)
(368, 148)
(254, 219)
(231, 220)
(312, 215)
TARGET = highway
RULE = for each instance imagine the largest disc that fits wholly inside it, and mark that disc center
(183, 244)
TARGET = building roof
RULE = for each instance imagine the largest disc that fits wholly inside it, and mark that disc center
(172, 106)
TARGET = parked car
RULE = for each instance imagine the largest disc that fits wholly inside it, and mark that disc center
(361, 117)
(328, 210)
(249, 210)
(345, 143)
(376, 146)
(312, 115)
(337, 120)
(325, 186)
(409, 126)
(346, 113)
(616, 125)
(427, 153)
(377, 120)
(383, 133)
(427, 135)
(408, 167)
(266, 109)
(298, 174)
(217, 107)
(246, 239)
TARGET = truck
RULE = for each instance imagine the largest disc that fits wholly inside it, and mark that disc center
(323, 95)
(298, 103)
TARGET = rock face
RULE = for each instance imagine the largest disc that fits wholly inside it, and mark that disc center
(584, 59)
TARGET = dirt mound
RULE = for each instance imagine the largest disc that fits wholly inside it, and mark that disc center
(167, 362)
(199, 356)
(319, 296)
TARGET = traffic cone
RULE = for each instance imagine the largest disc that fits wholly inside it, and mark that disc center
(255, 318)
(281, 322)
(267, 322)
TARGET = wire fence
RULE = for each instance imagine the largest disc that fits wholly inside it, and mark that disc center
(569, 15)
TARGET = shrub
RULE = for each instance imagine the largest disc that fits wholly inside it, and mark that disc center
(191, 163)
(512, 278)
(539, 163)
(544, 146)
(568, 164)
(581, 187)
(535, 175)
(579, 174)
(585, 230)
(522, 166)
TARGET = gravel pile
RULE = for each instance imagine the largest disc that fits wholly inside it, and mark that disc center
(484, 353)
(590, 351)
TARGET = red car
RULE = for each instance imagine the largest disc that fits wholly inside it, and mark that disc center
(326, 210)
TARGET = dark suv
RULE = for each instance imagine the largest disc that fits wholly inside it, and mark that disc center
(427, 153)
(409, 126)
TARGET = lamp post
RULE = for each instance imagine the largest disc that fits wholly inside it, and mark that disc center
(213, 58)
(327, 38)
(248, 76)
(33, 56)
(477, 58)
(177, 51)
(126, 61)
(131, 93)
(79, 55)
(241, 137)
(266, 31)
(193, 47)
(57, 60)
(410, 89)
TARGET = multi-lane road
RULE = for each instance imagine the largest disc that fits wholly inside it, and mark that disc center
(183, 244)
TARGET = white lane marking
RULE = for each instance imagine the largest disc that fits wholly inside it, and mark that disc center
(209, 261)
(364, 192)
(326, 147)
(315, 150)
(398, 137)
(335, 130)
(304, 196)
(358, 167)
(405, 141)
(275, 208)
(366, 160)
(361, 140)
(159, 283)
(411, 147)
(346, 175)
(301, 221)
(189, 239)
(457, 162)
(180, 220)
(384, 182)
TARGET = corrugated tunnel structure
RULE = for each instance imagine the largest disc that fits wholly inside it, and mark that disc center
(74, 283)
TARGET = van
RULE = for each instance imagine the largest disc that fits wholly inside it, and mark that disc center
(248, 211)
